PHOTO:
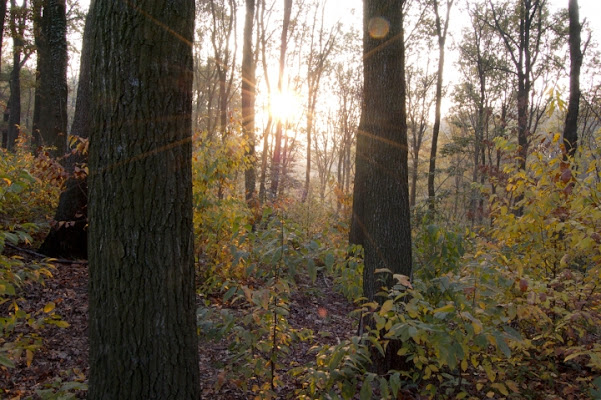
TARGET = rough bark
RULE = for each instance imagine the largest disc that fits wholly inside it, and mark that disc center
(143, 342)
(68, 236)
(381, 218)
(50, 114)
(248, 100)
(570, 131)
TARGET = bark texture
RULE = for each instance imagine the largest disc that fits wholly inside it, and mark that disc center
(381, 219)
(570, 132)
(50, 114)
(69, 239)
(143, 342)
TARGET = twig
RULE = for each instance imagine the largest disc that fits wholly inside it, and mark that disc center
(50, 259)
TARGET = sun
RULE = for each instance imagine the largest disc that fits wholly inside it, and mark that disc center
(286, 106)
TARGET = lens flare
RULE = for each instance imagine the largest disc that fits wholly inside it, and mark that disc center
(378, 27)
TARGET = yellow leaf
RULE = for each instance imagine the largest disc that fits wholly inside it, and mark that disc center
(464, 365)
(490, 395)
(513, 386)
(477, 325)
(447, 308)
(501, 388)
(387, 306)
(490, 374)
(479, 386)
(475, 361)
(49, 307)
(29, 357)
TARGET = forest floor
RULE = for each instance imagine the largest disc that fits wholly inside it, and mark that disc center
(63, 356)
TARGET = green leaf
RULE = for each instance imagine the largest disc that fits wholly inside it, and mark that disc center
(502, 345)
(329, 261)
(228, 295)
(395, 383)
(6, 362)
(366, 391)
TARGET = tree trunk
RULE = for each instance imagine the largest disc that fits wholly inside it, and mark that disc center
(381, 221)
(142, 324)
(68, 236)
(50, 114)
(414, 176)
(442, 36)
(248, 100)
(264, 157)
(381, 216)
(276, 164)
(14, 118)
(3, 8)
(570, 131)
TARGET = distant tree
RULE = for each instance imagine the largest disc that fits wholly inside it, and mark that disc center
(441, 28)
(321, 44)
(420, 99)
(381, 216)
(277, 162)
(18, 17)
(521, 25)
(348, 92)
(264, 38)
(142, 325)
(570, 132)
(3, 8)
(50, 109)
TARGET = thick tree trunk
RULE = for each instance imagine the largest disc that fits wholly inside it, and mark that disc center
(68, 236)
(570, 131)
(248, 100)
(50, 114)
(381, 219)
(143, 342)
(381, 216)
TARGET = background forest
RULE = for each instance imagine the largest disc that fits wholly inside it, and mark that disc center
(456, 256)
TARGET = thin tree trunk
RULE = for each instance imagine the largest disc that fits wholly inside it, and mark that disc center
(14, 119)
(248, 100)
(3, 9)
(442, 35)
(277, 156)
